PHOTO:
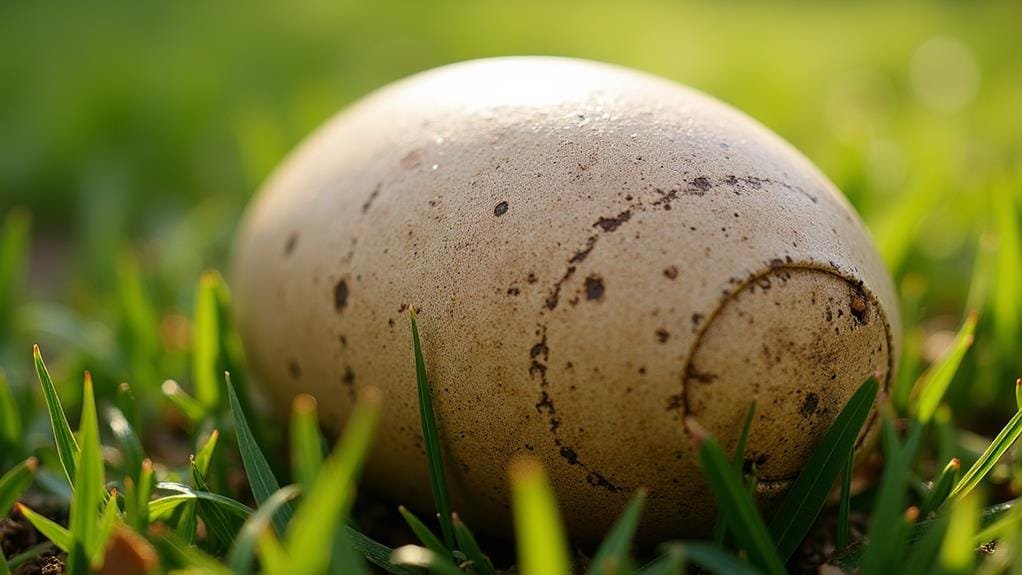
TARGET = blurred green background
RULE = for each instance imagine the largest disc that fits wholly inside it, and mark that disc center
(133, 134)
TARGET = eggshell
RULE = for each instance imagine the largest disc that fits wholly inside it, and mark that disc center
(595, 254)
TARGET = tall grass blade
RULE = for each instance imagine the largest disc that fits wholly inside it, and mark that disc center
(979, 470)
(542, 547)
(800, 507)
(306, 443)
(958, 552)
(107, 523)
(467, 542)
(88, 486)
(204, 456)
(735, 502)
(15, 482)
(184, 493)
(242, 553)
(1008, 286)
(612, 556)
(260, 476)
(328, 500)
(434, 456)
(67, 447)
(934, 382)
(923, 553)
(720, 528)
(206, 344)
(889, 504)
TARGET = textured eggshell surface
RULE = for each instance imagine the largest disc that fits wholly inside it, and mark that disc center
(595, 254)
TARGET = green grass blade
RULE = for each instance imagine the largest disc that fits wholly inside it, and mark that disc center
(800, 507)
(1009, 278)
(260, 476)
(222, 527)
(188, 521)
(941, 488)
(10, 416)
(328, 500)
(735, 503)
(958, 552)
(306, 443)
(923, 554)
(4, 568)
(889, 504)
(431, 437)
(423, 533)
(934, 382)
(542, 547)
(125, 401)
(184, 492)
(107, 523)
(376, 553)
(204, 456)
(206, 344)
(845, 503)
(716, 560)
(58, 534)
(15, 482)
(720, 528)
(188, 405)
(436, 563)
(131, 445)
(67, 447)
(979, 470)
(612, 556)
(467, 542)
(88, 485)
(243, 550)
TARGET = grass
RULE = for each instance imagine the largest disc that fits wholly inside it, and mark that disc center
(132, 140)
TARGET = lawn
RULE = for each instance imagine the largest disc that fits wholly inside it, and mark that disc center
(133, 136)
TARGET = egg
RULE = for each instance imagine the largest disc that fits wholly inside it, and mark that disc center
(595, 255)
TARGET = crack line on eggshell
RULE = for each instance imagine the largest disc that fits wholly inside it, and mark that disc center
(772, 484)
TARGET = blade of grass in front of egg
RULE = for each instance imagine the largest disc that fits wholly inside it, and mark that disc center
(423, 533)
(306, 444)
(467, 542)
(612, 556)
(415, 556)
(431, 437)
(67, 446)
(376, 553)
(889, 504)
(720, 529)
(716, 560)
(539, 533)
(805, 499)
(260, 476)
(845, 502)
(735, 502)
(327, 502)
